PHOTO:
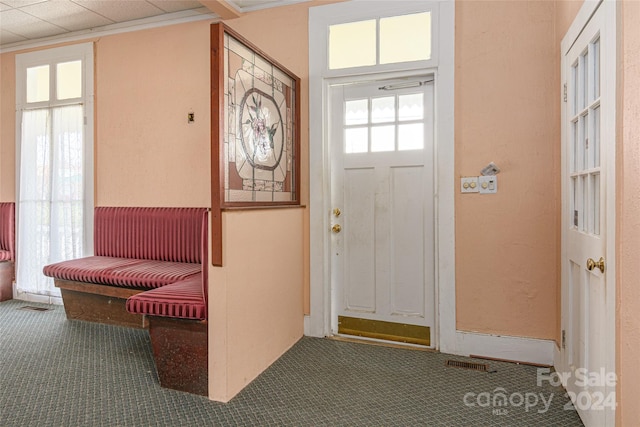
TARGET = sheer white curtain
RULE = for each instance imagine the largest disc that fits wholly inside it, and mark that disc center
(51, 194)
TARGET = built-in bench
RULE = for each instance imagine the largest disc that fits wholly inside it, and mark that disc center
(7, 249)
(177, 315)
(149, 269)
(135, 250)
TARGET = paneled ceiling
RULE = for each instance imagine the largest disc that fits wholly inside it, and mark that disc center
(28, 20)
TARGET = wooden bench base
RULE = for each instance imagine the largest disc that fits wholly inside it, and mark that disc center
(6, 280)
(99, 303)
(180, 351)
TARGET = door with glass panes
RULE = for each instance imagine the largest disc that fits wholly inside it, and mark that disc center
(587, 215)
(382, 230)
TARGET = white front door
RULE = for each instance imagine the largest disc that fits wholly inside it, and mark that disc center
(382, 218)
(587, 273)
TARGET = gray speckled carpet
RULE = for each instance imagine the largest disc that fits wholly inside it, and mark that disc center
(55, 372)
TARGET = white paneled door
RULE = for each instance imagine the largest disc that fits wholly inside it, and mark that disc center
(382, 217)
(588, 173)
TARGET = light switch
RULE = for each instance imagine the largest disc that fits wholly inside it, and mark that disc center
(488, 184)
(469, 184)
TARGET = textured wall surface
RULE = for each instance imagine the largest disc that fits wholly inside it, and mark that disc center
(628, 217)
(505, 111)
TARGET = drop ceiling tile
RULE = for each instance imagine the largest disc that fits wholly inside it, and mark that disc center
(23, 24)
(121, 10)
(66, 14)
(6, 37)
(21, 3)
(175, 5)
(242, 4)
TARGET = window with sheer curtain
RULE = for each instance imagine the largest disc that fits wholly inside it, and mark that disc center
(55, 162)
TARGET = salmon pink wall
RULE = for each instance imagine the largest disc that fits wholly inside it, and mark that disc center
(507, 244)
(287, 41)
(7, 127)
(628, 217)
(146, 83)
(255, 300)
(146, 152)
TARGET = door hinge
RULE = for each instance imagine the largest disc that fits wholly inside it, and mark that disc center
(564, 339)
(565, 93)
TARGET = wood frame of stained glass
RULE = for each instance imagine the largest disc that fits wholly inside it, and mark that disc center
(258, 138)
(255, 129)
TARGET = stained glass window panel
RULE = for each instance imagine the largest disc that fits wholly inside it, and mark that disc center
(259, 139)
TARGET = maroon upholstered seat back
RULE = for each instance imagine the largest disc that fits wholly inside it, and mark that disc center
(163, 234)
(7, 229)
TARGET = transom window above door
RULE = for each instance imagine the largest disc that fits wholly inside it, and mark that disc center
(391, 122)
(389, 40)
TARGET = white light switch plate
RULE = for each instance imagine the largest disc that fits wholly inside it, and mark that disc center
(488, 184)
(469, 184)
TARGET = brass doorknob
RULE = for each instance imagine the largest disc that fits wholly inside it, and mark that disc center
(337, 212)
(336, 228)
(591, 264)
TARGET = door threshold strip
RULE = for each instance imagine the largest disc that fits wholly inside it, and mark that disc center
(381, 343)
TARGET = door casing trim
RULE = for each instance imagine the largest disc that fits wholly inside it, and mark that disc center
(318, 323)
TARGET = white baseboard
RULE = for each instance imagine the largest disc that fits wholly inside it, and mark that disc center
(313, 328)
(527, 350)
(42, 299)
(558, 363)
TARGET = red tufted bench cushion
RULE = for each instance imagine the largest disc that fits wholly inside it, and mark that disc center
(140, 248)
(7, 231)
(7, 249)
(183, 300)
(129, 273)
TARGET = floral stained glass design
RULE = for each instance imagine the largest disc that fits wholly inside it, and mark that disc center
(259, 134)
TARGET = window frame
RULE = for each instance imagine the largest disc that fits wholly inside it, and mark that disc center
(381, 10)
(378, 34)
(51, 57)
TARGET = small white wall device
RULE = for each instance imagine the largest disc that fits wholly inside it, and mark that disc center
(490, 169)
(486, 183)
